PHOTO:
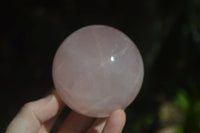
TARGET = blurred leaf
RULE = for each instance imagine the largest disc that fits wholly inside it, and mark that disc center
(171, 129)
(180, 129)
(169, 113)
(182, 101)
(136, 127)
(149, 119)
(196, 109)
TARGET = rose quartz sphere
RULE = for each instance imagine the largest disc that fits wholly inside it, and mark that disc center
(96, 70)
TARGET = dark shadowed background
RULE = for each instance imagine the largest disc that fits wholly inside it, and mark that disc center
(167, 32)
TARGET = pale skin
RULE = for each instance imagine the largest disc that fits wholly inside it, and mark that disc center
(40, 116)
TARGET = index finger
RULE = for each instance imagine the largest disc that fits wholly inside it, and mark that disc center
(34, 114)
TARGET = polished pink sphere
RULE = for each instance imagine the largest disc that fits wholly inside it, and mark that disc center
(96, 70)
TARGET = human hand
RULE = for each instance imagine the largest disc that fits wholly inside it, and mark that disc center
(40, 116)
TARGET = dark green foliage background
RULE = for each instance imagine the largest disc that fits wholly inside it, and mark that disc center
(167, 32)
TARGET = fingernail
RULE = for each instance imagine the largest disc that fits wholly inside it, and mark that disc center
(48, 97)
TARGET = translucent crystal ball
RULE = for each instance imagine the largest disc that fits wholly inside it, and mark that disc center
(96, 70)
